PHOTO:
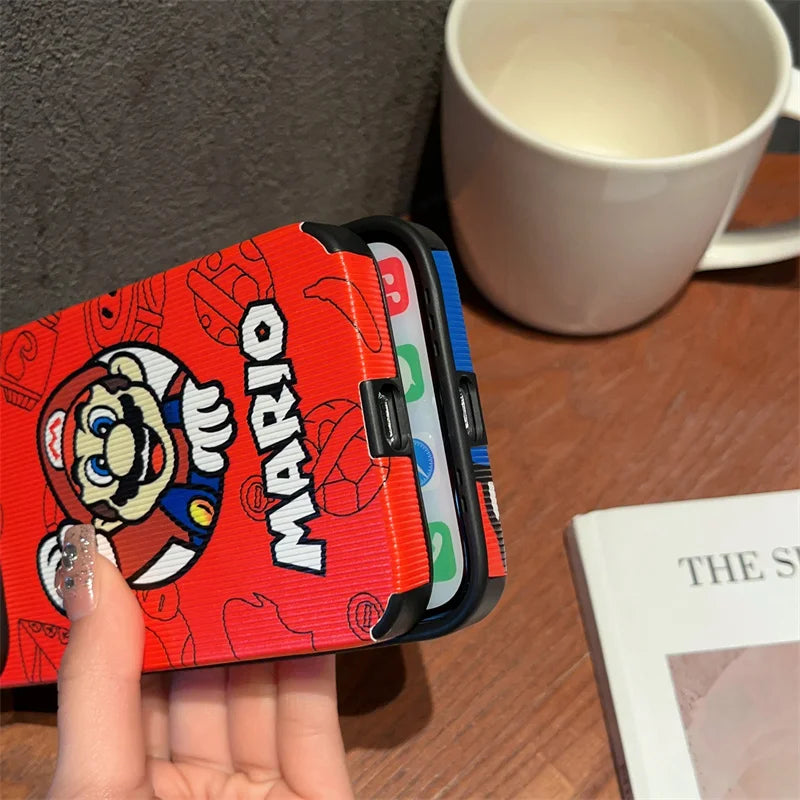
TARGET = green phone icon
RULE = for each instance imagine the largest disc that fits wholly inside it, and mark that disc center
(444, 559)
(410, 372)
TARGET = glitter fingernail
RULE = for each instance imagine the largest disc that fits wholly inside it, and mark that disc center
(75, 578)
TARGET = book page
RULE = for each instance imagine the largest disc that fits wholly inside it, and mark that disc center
(697, 609)
(741, 713)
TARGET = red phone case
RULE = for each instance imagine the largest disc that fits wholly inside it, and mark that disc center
(209, 422)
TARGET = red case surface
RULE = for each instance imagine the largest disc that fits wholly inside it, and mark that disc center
(208, 421)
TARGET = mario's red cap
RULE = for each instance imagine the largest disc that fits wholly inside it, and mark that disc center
(55, 434)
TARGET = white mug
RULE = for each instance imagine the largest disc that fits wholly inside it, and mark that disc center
(595, 150)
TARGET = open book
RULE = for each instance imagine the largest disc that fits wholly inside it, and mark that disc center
(692, 613)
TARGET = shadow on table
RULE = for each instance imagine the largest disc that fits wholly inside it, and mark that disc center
(784, 274)
(384, 697)
(36, 704)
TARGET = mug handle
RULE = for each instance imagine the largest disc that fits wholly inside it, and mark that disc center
(760, 245)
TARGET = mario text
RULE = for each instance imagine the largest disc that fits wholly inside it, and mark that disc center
(277, 430)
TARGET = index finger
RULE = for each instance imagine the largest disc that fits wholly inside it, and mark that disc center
(310, 748)
(101, 749)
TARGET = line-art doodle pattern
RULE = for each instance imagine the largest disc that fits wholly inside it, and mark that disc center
(349, 301)
(250, 623)
(255, 501)
(165, 622)
(132, 314)
(223, 285)
(345, 476)
(363, 611)
(40, 647)
(26, 361)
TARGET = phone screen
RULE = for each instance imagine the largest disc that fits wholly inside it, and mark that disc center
(410, 340)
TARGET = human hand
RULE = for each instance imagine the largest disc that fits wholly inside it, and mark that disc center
(258, 730)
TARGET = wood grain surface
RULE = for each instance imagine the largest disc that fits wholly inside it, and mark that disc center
(700, 401)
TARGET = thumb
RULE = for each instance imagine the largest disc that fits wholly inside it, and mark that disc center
(101, 749)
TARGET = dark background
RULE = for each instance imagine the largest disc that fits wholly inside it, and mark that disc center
(138, 135)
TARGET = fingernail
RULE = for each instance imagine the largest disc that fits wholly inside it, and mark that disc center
(75, 578)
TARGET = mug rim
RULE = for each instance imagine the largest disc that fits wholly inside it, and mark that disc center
(756, 127)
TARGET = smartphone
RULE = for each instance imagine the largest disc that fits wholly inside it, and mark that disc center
(235, 430)
(446, 423)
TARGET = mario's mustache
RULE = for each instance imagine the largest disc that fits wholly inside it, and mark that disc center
(104, 511)
(128, 484)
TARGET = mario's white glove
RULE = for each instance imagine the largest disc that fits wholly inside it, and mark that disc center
(207, 420)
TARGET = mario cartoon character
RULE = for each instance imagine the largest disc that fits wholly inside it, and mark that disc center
(132, 444)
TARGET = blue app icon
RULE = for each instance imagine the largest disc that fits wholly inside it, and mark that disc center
(424, 456)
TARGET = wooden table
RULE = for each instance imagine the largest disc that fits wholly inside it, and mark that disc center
(701, 401)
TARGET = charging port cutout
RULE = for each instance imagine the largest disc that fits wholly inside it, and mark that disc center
(471, 409)
(386, 417)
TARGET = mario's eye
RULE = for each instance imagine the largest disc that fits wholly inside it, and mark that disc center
(97, 471)
(101, 419)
